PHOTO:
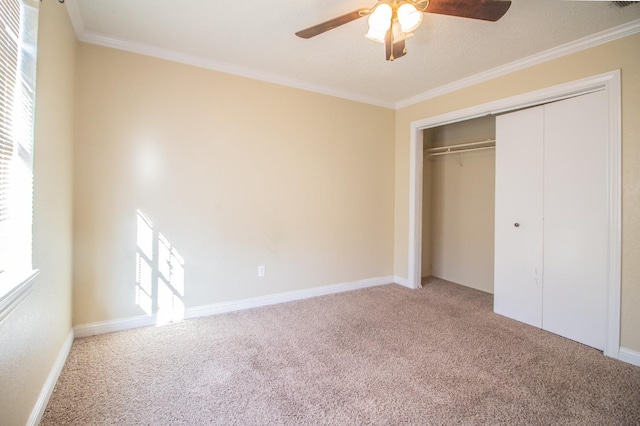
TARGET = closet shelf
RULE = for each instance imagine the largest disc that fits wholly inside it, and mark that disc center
(462, 147)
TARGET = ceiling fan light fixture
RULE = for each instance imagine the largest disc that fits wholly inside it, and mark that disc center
(401, 17)
(410, 18)
(391, 22)
(376, 35)
(381, 16)
(396, 32)
(379, 22)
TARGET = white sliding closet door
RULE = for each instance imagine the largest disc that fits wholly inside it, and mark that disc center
(518, 216)
(551, 270)
(576, 219)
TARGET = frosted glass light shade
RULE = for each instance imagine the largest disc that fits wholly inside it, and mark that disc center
(410, 18)
(381, 17)
(376, 35)
(379, 23)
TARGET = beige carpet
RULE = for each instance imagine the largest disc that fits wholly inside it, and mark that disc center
(385, 355)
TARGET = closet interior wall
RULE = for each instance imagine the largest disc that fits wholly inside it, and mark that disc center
(459, 205)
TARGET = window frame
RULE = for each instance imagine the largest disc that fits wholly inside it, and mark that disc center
(19, 55)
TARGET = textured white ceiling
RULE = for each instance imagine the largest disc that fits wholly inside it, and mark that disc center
(260, 38)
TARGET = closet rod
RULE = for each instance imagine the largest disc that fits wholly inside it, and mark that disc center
(460, 145)
(462, 150)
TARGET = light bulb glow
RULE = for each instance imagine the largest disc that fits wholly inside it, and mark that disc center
(379, 23)
(380, 19)
(400, 17)
(409, 17)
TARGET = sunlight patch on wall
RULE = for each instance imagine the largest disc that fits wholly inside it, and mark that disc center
(144, 261)
(159, 274)
(170, 282)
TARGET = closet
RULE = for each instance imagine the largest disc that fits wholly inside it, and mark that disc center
(551, 217)
(458, 202)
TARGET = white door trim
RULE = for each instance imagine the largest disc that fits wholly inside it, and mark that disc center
(610, 82)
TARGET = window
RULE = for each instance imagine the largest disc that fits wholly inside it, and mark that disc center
(18, 41)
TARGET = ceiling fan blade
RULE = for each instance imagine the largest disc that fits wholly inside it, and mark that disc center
(330, 24)
(486, 10)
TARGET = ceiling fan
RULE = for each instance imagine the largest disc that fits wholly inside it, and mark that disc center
(392, 21)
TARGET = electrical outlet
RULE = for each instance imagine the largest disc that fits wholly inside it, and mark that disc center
(262, 270)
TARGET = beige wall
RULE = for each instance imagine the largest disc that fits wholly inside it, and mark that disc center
(33, 334)
(458, 206)
(235, 173)
(620, 54)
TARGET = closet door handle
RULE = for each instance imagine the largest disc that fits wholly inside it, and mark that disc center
(517, 225)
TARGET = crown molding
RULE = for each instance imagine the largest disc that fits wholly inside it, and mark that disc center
(75, 16)
(202, 62)
(605, 36)
(171, 55)
(611, 34)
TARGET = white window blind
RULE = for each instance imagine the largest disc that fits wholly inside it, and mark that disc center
(18, 41)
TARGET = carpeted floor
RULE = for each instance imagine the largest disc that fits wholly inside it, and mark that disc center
(384, 355)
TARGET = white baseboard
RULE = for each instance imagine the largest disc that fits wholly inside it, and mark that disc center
(402, 281)
(629, 356)
(290, 296)
(84, 330)
(50, 383)
(102, 327)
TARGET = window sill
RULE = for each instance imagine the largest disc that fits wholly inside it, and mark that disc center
(12, 294)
